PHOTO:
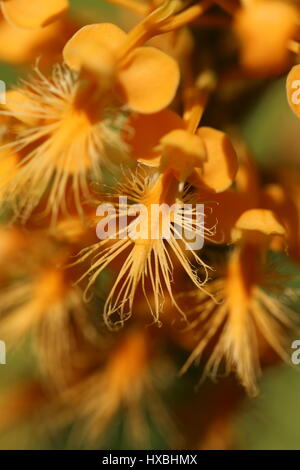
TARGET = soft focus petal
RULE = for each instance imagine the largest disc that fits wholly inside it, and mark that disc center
(94, 47)
(275, 198)
(262, 221)
(284, 200)
(221, 165)
(19, 46)
(33, 13)
(182, 152)
(143, 133)
(149, 80)
(223, 210)
(264, 29)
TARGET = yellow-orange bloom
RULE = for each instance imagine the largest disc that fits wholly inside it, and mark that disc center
(206, 157)
(23, 46)
(67, 132)
(145, 78)
(284, 199)
(265, 28)
(148, 265)
(246, 316)
(129, 380)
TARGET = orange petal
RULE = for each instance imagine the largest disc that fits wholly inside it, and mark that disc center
(33, 13)
(275, 198)
(293, 89)
(223, 210)
(264, 29)
(149, 80)
(143, 133)
(94, 47)
(263, 221)
(221, 165)
(22, 46)
(182, 152)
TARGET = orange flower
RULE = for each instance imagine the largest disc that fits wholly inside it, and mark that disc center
(31, 14)
(283, 198)
(245, 317)
(129, 381)
(226, 207)
(166, 142)
(38, 295)
(177, 43)
(265, 28)
(149, 264)
(27, 303)
(144, 78)
(203, 156)
(22, 46)
(66, 132)
(70, 122)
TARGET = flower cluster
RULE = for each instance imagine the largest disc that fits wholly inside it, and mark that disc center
(111, 122)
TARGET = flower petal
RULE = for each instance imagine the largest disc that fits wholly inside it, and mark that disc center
(19, 45)
(94, 47)
(264, 29)
(182, 152)
(221, 165)
(143, 133)
(149, 80)
(33, 13)
(222, 211)
(262, 221)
